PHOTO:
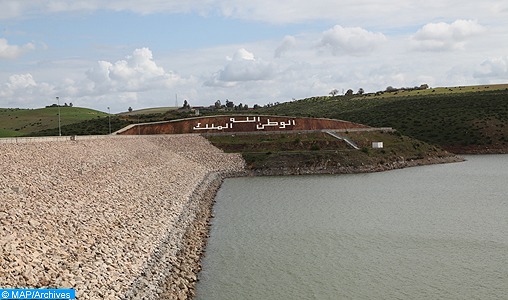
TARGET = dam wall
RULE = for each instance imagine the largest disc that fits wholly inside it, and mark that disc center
(113, 218)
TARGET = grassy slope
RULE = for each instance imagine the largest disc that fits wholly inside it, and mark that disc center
(297, 150)
(448, 90)
(453, 118)
(145, 111)
(18, 122)
(77, 121)
(457, 118)
(97, 126)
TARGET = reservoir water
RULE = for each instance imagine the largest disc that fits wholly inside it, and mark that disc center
(432, 232)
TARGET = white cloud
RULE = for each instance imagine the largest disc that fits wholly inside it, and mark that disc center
(135, 73)
(21, 81)
(243, 66)
(495, 68)
(12, 51)
(242, 55)
(352, 41)
(275, 68)
(136, 77)
(287, 43)
(443, 36)
(369, 13)
(23, 89)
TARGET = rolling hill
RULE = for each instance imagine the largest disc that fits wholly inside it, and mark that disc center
(148, 111)
(464, 119)
(460, 119)
(19, 122)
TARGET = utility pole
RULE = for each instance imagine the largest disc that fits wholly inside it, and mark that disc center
(109, 120)
(59, 126)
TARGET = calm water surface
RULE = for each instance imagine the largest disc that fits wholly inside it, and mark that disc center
(434, 232)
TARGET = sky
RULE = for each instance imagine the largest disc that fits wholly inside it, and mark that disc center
(151, 53)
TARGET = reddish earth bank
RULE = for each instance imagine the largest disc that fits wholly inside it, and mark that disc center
(241, 123)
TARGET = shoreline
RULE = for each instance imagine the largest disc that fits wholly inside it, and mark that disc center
(401, 164)
(182, 279)
(476, 149)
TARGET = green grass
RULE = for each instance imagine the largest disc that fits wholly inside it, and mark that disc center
(8, 133)
(443, 90)
(97, 126)
(234, 139)
(274, 151)
(450, 119)
(246, 143)
(19, 122)
(148, 111)
(77, 121)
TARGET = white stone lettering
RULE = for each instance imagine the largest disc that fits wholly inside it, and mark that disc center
(259, 125)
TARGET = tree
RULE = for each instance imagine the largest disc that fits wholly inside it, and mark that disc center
(334, 92)
(361, 91)
(229, 104)
(70, 104)
(390, 89)
(217, 104)
(349, 92)
(130, 109)
(186, 105)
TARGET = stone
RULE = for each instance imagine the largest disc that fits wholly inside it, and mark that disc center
(97, 214)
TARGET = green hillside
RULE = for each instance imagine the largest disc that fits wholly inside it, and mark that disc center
(19, 122)
(97, 126)
(460, 119)
(318, 152)
(465, 119)
(148, 111)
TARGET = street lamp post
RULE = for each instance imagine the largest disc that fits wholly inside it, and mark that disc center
(109, 120)
(59, 126)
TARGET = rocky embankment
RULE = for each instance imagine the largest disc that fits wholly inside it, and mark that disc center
(113, 218)
(330, 168)
(475, 149)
